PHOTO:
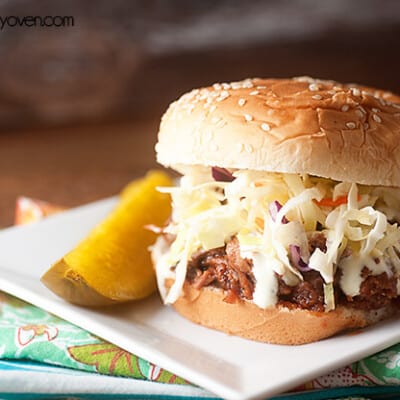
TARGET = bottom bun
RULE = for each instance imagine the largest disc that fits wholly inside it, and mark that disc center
(279, 325)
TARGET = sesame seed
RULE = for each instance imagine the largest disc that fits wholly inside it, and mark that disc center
(350, 125)
(236, 85)
(248, 84)
(356, 92)
(376, 110)
(362, 109)
(261, 87)
(359, 113)
(224, 94)
(241, 102)
(377, 118)
(226, 85)
(367, 93)
(382, 101)
(217, 86)
(317, 97)
(248, 117)
(345, 108)
(212, 108)
(254, 93)
(313, 87)
(249, 148)
(265, 127)
(303, 79)
(215, 120)
(395, 105)
(366, 126)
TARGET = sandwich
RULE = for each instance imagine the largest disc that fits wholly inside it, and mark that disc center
(284, 226)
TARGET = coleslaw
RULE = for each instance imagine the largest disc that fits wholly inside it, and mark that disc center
(273, 216)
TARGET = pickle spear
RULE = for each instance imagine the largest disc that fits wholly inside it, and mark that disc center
(112, 264)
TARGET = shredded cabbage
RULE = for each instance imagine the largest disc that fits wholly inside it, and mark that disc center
(329, 296)
(208, 213)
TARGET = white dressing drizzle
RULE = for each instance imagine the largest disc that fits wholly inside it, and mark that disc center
(352, 267)
(264, 268)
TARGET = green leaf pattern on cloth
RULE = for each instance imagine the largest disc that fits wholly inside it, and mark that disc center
(112, 360)
(385, 365)
(28, 332)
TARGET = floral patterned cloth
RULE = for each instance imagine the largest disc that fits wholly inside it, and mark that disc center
(30, 333)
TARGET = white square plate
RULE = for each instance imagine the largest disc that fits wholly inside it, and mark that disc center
(231, 367)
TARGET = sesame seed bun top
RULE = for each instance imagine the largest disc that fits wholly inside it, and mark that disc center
(301, 125)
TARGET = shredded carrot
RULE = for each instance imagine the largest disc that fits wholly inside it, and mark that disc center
(328, 202)
(260, 223)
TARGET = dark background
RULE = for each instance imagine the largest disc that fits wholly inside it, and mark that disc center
(80, 106)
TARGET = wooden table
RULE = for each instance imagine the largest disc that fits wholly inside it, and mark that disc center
(71, 166)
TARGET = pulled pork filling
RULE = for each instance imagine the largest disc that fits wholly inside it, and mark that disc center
(224, 268)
